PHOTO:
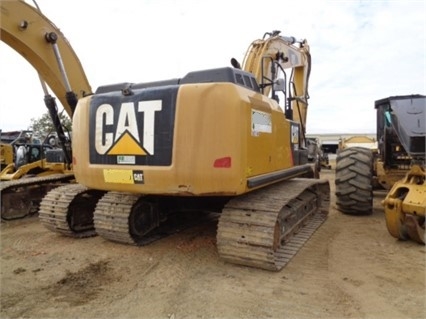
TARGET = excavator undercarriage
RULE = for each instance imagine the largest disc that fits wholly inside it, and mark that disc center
(266, 228)
(263, 229)
(21, 198)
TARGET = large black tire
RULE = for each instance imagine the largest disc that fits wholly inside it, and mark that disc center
(354, 176)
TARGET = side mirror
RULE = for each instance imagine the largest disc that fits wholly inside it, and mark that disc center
(279, 85)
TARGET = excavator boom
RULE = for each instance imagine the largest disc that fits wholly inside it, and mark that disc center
(26, 30)
(266, 57)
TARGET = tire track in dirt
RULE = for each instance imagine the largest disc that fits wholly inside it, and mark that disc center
(73, 289)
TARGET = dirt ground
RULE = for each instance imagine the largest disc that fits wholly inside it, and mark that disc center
(350, 268)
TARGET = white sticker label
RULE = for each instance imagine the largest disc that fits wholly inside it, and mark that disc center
(260, 122)
(126, 159)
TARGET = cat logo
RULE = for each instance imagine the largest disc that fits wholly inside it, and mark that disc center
(121, 134)
(137, 129)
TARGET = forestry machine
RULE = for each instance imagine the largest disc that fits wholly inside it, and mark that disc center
(398, 166)
(215, 140)
(26, 30)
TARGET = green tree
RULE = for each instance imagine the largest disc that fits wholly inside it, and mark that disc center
(43, 126)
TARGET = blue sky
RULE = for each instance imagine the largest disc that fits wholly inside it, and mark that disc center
(361, 50)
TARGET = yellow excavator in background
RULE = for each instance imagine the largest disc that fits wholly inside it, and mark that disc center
(8, 140)
(26, 30)
(24, 155)
(216, 140)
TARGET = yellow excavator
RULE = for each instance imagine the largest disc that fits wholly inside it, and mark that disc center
(23, 155)
(9, 142)
(215, 140)
(26, 30)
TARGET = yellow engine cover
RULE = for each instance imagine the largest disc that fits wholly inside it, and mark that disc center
(189, 139)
